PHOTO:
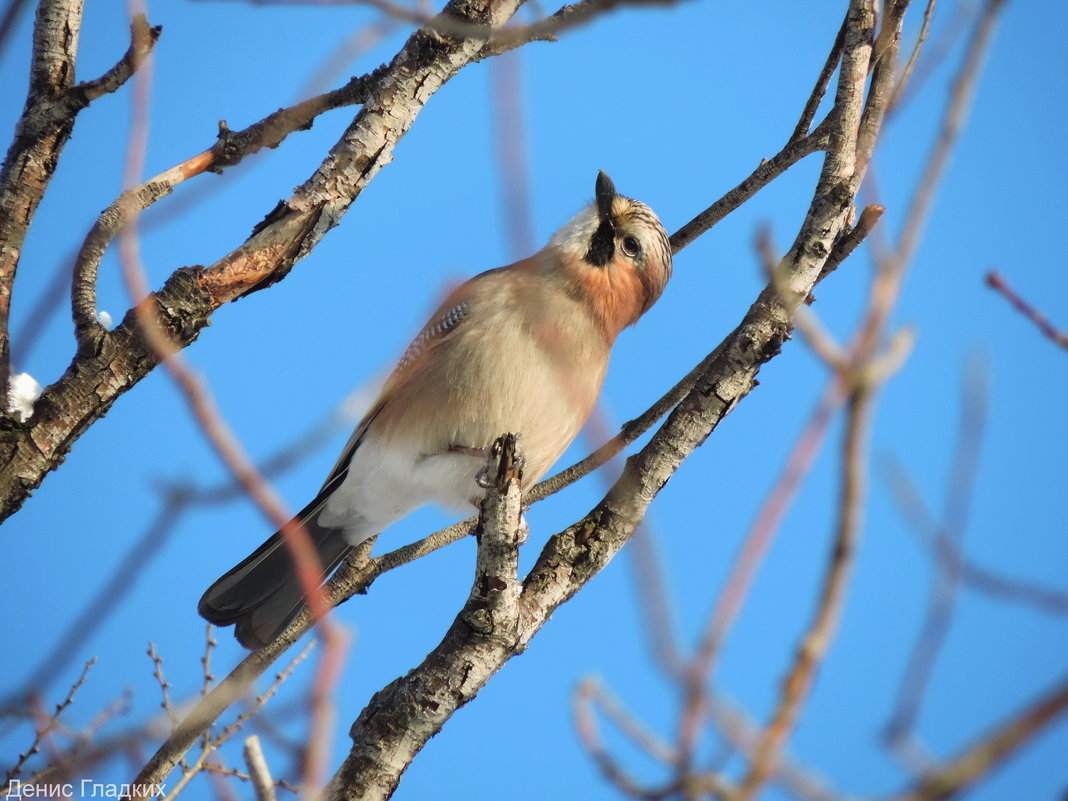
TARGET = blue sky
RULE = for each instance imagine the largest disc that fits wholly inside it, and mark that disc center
(678, 104)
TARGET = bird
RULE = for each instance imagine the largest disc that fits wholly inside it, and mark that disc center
(517, 349)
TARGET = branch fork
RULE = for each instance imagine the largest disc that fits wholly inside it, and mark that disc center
(492, 608)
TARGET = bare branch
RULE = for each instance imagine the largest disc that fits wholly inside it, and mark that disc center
(164, 685)
(743, 735)
(948, 577)
(1051, 332)
(817, 639)
(39, 140)
(768, 170)
(230, 149)
(142, 40)
(44, 128)
(590, 693)
(589, 736)
(42, 731)
(964, 83)
(216, 741)
(969, 766)
(906, 73)
(109, 363)
(933, 536)
(258, 770)
(808, 114)
(401, 717)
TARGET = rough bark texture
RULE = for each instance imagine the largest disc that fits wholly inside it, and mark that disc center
(110, 363)
(44, 128)
(404, 715)
(89, 387)
(39, 139)
(488, 631)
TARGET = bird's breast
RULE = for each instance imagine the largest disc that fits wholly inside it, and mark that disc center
(537, 375)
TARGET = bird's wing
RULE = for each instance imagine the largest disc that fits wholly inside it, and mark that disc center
(448, 318)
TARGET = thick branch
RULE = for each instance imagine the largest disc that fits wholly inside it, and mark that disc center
(710, 392)
(32, 158)
(107, 366)
(401, 717)
(230, 148)
(47, 120)
(572, 557)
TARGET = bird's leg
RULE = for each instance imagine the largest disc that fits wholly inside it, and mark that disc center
(484, 476)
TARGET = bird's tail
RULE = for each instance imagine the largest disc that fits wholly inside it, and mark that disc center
(262, 594)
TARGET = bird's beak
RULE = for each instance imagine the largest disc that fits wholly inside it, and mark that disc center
(602, 243)
(606, 192)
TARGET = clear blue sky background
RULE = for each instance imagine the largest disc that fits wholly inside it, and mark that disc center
(678, 104)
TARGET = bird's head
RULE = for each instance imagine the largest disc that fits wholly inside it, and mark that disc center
(616, 254)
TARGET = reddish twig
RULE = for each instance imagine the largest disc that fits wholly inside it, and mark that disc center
(203, 760)
(995, 281)
(585, 722)
(42, 730)
(164, 685)
(817, 640)
(510, 146)
(914, 682)
(962, 771)
(754, 547)
(307, 567)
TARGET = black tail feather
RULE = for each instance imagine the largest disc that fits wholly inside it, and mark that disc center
(262, 594)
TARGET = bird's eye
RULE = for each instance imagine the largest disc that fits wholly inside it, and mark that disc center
(631, 246)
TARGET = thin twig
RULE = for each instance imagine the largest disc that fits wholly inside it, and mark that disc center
(42, 731)
(754, 547)
(585, 723)
(948, 576)
(743, 734)
(590, 693)
(164, 685)
(216, 741)
(767, 170)
(808, 114)
(205, 661)
(996, 282)
(931, 534)
(962, 771)
(906, 73)
(817, 639)
(647, 568)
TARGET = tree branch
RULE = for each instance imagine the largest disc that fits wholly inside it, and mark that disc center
(42, 132)
(573, 556)
(34, 153)
(976, 761)
(401, 717)
(109, 363)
